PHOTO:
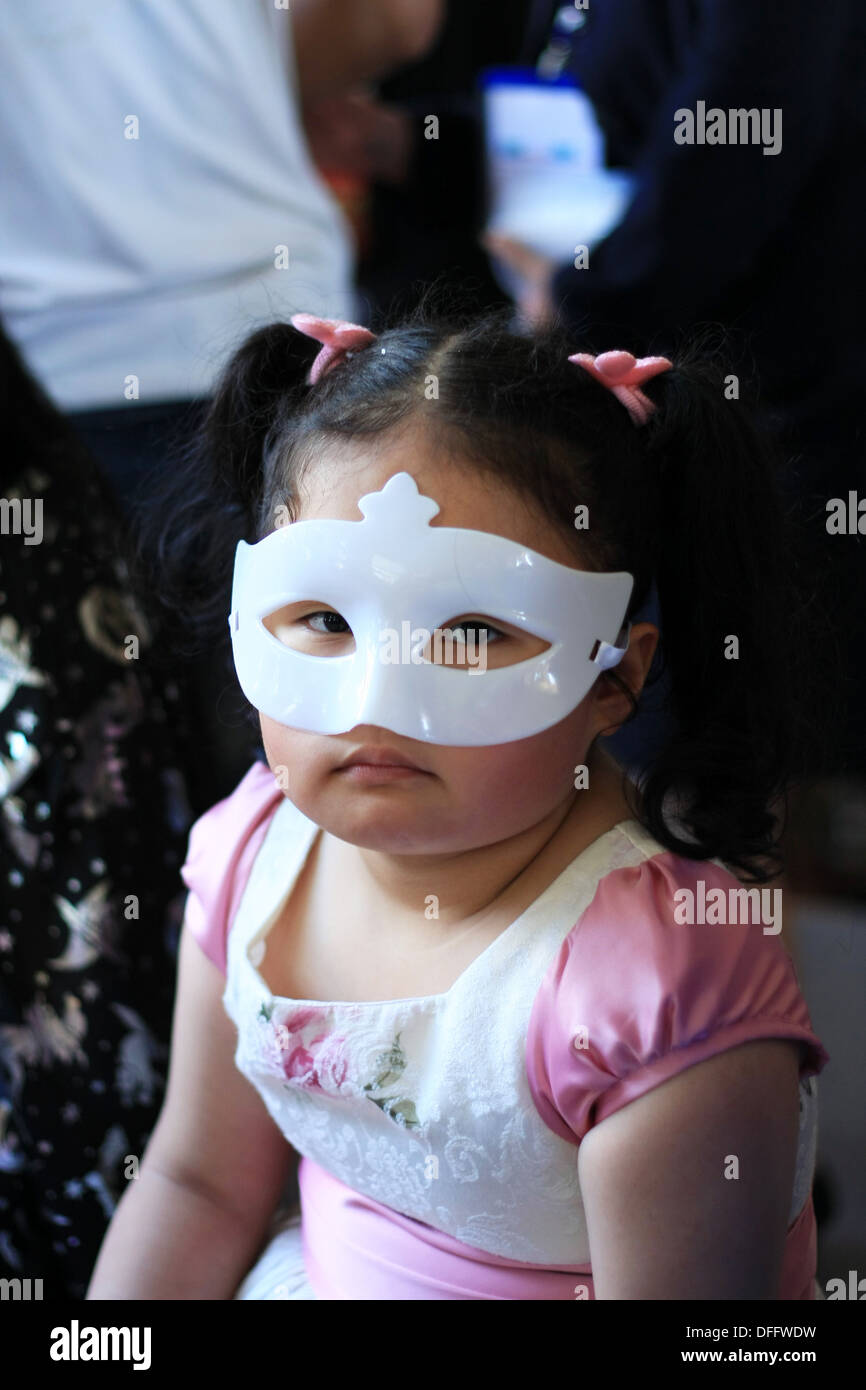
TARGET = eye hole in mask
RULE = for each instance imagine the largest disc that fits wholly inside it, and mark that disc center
(462, 643)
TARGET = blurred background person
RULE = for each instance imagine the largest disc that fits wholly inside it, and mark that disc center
(408, 151)
(94, 817)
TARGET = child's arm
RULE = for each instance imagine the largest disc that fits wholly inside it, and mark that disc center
(191, 1225)
(664, 1220)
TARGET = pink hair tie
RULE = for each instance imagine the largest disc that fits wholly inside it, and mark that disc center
(339, 339)
(622, 374)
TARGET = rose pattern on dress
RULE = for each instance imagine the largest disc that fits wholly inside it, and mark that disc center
(322, 1063)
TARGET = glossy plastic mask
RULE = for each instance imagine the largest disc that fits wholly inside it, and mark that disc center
(393, 576)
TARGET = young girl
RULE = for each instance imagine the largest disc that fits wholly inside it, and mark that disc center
(528, 1034)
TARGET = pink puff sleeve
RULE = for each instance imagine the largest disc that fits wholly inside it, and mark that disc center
(635, 996)
(221, 848)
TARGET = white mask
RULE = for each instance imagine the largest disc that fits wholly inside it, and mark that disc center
(392, 577)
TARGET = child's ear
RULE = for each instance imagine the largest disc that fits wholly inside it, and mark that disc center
(611, 704)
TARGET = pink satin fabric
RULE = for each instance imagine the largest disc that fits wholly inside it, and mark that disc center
(356, 1248)
(654, 995)
(223, 844)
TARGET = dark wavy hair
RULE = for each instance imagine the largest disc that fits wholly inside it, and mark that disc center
(687, 503)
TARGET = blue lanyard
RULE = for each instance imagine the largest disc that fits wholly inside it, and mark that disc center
(567, 21)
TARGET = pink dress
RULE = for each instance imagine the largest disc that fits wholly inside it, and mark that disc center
(439, 1134)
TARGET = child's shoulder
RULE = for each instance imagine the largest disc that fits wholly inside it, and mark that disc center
(222, 846)
(673, 960)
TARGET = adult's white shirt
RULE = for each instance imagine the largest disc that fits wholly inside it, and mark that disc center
(151, 257)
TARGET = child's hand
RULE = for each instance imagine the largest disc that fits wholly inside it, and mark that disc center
(358, 133)
(535, 272)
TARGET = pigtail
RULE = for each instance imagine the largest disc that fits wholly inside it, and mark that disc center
(734, 627)
(208, 497)
(262, 382)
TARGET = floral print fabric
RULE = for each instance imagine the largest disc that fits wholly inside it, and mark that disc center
(93, 825)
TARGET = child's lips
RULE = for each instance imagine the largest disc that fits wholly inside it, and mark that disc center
(380, 772)
(379, 757)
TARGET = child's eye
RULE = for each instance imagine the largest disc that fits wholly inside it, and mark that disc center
(330, 617)
(295, 629)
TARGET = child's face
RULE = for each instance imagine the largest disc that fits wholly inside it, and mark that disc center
(470, 796)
